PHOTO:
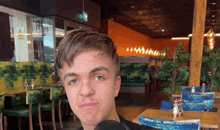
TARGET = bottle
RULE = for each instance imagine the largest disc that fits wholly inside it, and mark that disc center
(203, 88)
(32, 83)
(25, 84)
(180, 101)
(175, 109)
(193, 89)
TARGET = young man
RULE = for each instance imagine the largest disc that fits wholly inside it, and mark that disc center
(88, 67)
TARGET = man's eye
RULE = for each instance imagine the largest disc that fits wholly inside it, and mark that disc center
(99, 78)
(72, 82)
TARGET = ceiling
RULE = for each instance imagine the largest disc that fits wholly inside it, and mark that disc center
(159, 18)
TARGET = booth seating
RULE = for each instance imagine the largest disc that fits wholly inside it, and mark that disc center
(13, 75)
(134, 78)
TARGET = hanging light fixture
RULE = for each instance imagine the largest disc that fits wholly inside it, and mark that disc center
(210, 38)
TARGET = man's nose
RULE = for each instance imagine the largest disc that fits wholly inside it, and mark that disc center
(87, 89)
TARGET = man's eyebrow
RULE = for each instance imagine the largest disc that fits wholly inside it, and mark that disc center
(99, 69)
(70, 75)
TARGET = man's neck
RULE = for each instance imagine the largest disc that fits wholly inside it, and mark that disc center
(115, 118)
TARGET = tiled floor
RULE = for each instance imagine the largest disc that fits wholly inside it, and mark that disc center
(128, 105)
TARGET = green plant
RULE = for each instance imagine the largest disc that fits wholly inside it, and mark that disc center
(45, 70)
(211, 58)
(29, 72)
(174, 72)
(12, 75)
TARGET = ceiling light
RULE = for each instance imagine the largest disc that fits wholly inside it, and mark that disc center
(152, 21)
(146, 17)
(179, 38)
(213, 23)
(213, 3)
(213, 20)
(213, 15)
(132, 7)
(140, 12)
(162, 30)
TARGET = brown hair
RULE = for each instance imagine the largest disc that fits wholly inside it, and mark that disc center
(79, 40)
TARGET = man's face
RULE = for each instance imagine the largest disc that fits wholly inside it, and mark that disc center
(91, 86)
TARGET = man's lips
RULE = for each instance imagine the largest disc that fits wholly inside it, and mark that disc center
(89, 105)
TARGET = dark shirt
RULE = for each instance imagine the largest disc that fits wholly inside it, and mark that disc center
(130, 125)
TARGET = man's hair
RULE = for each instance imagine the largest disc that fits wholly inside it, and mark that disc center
(81, 40)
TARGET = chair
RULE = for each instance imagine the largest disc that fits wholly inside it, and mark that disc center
(33, 97)
(193, 101)
(197, 89)
(208, 100)
(170, 124)
(192, 97)
(2, 102)
(65, 102)
(187, 106)
(166, 105)
(55, 97)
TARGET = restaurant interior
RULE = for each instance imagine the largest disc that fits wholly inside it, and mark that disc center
(168, 51)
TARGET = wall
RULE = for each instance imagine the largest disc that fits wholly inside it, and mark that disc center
(159, 44)
(125, 37)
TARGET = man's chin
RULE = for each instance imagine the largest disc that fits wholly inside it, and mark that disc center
(90, 122)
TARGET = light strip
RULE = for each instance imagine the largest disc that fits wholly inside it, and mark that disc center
(217, 34)
(179, 38)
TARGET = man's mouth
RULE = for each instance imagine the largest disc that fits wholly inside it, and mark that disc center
(89, 105)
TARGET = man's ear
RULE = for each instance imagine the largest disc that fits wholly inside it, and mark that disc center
(117, 85)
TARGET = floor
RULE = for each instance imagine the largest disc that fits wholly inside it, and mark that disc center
(128, 105)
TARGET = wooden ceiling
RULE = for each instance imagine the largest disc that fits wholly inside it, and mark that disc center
(159, 18)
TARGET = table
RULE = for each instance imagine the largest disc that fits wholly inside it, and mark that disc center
(12, 93)
(208, 119)
(178, 94)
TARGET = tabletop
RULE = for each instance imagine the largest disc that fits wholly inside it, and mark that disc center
(14, 92)
(178, 94)
(208, 119)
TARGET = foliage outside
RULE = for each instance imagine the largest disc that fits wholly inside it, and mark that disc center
(174, 72)
(211, 58)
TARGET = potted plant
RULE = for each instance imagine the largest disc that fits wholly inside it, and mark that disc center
(174, 71)
(211, 60)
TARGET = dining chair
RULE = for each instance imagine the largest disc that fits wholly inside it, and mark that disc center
(208, 100)
(197, 89)
(171, 124)
(193, 101)
(33, 100)
(55, 97)
(65, 102)
(188, 106)
(192, 97)
(2, 102)
(166, 105)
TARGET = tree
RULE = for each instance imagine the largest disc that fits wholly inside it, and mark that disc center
(174, 72)
(211, 58)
